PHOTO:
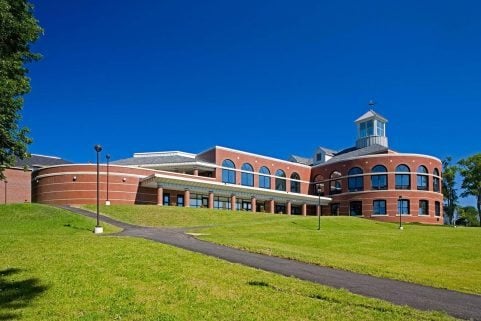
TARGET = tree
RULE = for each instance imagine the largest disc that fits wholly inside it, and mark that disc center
(471, 172)
(18, 29)
(449, 189)
(470, 213)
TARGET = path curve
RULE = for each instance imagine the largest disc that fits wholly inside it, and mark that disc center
(457, 304)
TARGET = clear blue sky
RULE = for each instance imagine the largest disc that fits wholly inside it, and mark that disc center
(269, 77)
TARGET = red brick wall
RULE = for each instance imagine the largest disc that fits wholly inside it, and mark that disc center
(257, 162)
(77, 184)
(18, 186)
(391, 195)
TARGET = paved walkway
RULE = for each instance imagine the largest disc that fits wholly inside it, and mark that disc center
(457, 304)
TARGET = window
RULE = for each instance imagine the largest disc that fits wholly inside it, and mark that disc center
(228, 175)
(355, 208)
(318, 179)
(355, 183)
(295, 183)
(319, 157)
(403, 207)
(166, 201)
(222, 203)
(403, 181)
(335, 207)
(436, 180)
(335, 184)
(370, 128)
(247, 177)
(437, 208)
(380, 128)
(280, 180)
(264, 180)
(422, 178)
(379, 207)
(180, 200)
(423, 207)
(195, 200)
(280, 208)
(363, 130)
(379, 181)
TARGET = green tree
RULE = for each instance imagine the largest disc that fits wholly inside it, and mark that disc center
(449, 189)
(470, 213)
(18, 29)
(470, 169)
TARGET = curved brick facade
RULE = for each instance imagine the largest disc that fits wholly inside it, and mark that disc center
(390, 195)
(77, 184)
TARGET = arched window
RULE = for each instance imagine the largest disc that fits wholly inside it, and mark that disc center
(422, 178)
(379, 180)
(295, 183)
(317, 187)
(335, 184)
(228, 175)
(264, 180)
(403, 178)
(355, 180)
(280, 180)
(247, 177)
(436, 180)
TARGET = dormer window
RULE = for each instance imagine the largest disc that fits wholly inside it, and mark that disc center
(319, 157)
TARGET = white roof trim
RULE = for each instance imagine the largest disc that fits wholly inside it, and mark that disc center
(166, 153)
(257, 155)
(377, 155)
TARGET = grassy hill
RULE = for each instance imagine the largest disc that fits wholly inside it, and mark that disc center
(52, 267)
(438, 256)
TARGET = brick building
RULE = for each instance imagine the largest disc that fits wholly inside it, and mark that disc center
(368, 180)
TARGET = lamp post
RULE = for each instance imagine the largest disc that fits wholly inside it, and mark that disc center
(98, 228)
(107, 202)
(6, 184)
(400, 212)
(319, 191)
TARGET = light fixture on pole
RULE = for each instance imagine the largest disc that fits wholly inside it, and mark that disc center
(6, 184)
(107, 201)
(98, 228)
(400, 209)
(320, 188)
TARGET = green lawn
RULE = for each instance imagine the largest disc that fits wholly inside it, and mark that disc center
(438, 256)
(52, 267)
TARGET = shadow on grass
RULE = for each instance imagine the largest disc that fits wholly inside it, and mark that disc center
(16, 294)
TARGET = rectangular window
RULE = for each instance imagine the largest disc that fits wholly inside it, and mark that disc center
(436, 184)
(423, 207)
(180, 200)
(166, 200)
(403, 207)
(335, 208)
(379, 182)
(403, 181)
(370, 128)
(437, 208)
(280, 208)
(319, 157)
(355, 208)
(379, 207)
(355, 184)
(363, 130)
(380, 128)
(222, 203)
(422, 182)
(195, 200)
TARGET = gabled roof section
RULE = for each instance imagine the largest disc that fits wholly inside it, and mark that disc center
(300, 160)
(353, 152)
(327, 151)
(370, 115)
(38, 161)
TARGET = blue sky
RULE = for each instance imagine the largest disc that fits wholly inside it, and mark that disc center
(269, 77)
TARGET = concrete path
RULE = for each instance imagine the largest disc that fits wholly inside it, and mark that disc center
(457, 304)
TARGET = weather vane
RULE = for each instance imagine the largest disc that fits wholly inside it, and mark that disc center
(371, 103)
